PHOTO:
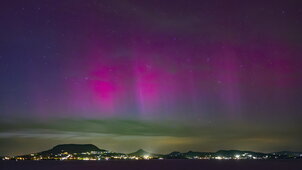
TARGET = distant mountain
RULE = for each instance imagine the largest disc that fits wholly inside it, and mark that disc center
(287, 153)
(192, 154)
(143, 153)
(175, 155)
(230, 153)
(72, 148)
(89, 150)
(140, 152)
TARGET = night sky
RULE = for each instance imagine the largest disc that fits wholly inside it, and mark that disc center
(153, 74)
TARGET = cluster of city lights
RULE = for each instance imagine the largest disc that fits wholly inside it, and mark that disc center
(105, 155)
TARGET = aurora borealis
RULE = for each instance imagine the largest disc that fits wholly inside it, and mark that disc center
(159, 75)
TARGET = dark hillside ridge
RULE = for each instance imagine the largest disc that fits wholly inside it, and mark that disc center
(72, 148)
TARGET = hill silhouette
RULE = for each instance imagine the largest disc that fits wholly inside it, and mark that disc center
(72, 148)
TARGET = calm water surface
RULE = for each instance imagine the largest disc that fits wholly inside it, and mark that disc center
(154, 165)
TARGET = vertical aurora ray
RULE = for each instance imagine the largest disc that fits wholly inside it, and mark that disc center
(216, 64)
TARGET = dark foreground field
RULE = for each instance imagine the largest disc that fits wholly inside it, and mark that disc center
(154, 165)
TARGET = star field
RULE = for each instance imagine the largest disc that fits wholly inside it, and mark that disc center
(197, 65)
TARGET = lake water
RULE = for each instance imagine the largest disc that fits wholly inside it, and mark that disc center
(154, 165)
